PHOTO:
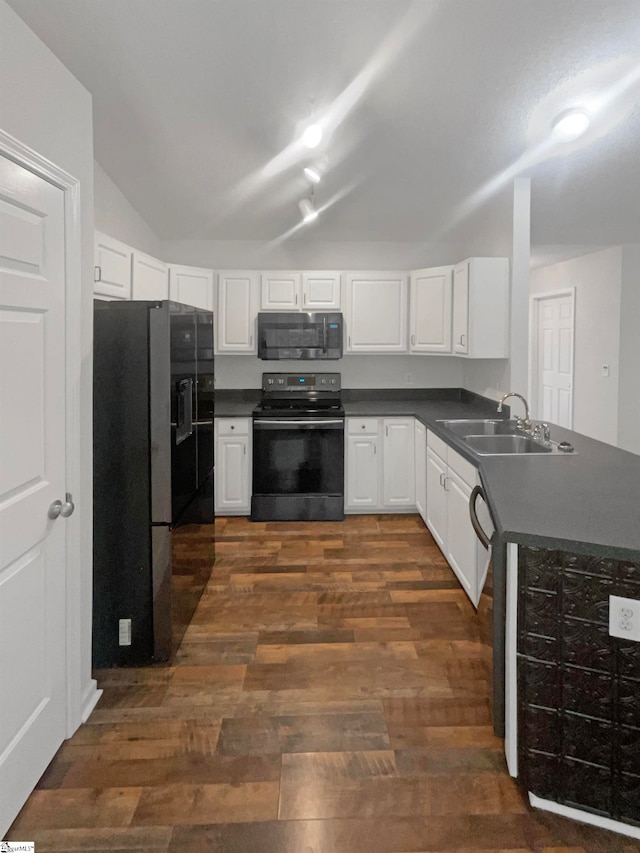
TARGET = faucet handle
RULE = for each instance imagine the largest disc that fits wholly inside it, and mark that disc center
(542, 431)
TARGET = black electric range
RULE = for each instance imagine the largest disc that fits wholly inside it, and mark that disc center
(298, 449)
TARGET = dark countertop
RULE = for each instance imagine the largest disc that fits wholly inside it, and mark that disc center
(588, 501)
(234, 408)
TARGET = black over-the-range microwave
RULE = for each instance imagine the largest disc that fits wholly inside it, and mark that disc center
(299, 335)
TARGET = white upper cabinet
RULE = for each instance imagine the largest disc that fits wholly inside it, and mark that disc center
(191, 286)
(431, 300)
(237, 311)
(461, 308)
(280, 291)
(376, 312)
(481, 308)
(321, 291)
(150, 277)
(112, 272)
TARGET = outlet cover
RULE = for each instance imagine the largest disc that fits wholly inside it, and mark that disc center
(124, 632)
(624, 618)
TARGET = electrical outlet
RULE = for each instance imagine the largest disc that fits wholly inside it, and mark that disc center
(124, 632)
(408, 379)
(624, 618)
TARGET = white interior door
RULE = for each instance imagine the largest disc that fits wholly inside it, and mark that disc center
(32, 477)
(555, 359)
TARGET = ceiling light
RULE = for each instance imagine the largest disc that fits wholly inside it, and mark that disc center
(308, 211)
(313, 174)
(570, 125)
(312, 136)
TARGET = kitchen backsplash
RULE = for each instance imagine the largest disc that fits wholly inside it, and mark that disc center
(358, 371)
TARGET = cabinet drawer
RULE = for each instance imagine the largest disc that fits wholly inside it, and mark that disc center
(362, 426)
(466, 470)
(232, 426)
(438, 446)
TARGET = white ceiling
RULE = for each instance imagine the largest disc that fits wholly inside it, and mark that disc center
(197, 103)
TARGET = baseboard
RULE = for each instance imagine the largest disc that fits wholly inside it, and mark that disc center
(584, 817)
(90, 699)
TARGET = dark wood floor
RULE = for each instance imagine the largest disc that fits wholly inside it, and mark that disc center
(330, 694)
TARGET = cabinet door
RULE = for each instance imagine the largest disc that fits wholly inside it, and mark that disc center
(191, 286)
(461, 308)
(237, 311)
(430, 303)
(461, 538)
(436, 498)
(150, 277)
(421, 469)
(321, 291)
(362, 472)
(399, 488)
(377, 312)
(280, 291)
(488, 308)
(112, 271)
(232, 475)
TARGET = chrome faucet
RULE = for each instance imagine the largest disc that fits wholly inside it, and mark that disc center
(522, 424)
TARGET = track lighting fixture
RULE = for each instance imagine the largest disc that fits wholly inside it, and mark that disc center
(569, 125)
(312, 136)
(313, 174)
(308, 210)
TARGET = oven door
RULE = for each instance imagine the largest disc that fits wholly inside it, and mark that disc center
(298, 469)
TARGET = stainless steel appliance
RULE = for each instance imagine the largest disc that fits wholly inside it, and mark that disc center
(299, 335)
(298, 449)
(153, 466)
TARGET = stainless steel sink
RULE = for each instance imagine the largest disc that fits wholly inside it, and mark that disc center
(497, 445)
(496, 437)
(481, 427)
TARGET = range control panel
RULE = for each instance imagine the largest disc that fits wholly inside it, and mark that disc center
(297, 383)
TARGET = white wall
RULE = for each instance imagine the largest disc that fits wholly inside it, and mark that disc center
(629, 385)
(44, 106)
(116, 216)
(357, 371)
(597, 279)
(310, 254)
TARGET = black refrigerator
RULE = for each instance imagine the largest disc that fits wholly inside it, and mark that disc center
(153, 466)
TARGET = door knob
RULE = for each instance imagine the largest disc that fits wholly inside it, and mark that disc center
(64, 509)
(55, 509)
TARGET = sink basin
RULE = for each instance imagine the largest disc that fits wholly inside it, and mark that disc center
(497, 445)
(481, 427)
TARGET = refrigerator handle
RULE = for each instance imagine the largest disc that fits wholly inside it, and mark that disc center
(184, 420)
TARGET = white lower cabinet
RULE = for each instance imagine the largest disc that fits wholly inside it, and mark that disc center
(380, 464)
(420, 439)
(362, 471)
(450, 481)
(398, 463)
(232, 481)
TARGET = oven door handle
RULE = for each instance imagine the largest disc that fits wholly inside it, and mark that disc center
(325, 423)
